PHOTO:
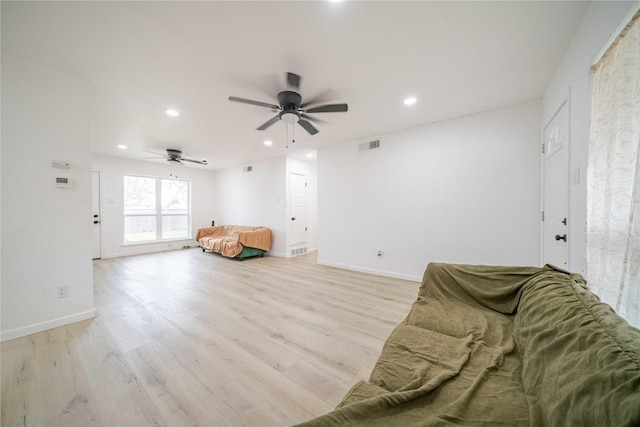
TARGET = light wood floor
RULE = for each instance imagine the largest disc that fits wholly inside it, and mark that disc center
(189, 338)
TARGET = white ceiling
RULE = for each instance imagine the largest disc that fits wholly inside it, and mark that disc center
(141, 58)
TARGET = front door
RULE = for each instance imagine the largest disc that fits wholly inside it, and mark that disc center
(555, 193)
(95, 211)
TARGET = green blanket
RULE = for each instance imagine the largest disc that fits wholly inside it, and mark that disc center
(580, 361)
(463, 356)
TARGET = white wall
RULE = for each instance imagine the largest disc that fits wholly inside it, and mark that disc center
(573, 75)
(112, 169)
(45, 230)
(255, 198)
(308, 169)
(463, 191)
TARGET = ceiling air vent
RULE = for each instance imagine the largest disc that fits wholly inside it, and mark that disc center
(371, 145)
(247, 168)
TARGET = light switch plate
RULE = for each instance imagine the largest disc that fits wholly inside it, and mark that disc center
(60, 164)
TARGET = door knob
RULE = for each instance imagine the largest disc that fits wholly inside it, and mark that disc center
(96, 222)
(563, 237)
(293, 219)
(95, 216)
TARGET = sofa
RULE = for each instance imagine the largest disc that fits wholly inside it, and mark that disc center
(510, 346)
(235, 241)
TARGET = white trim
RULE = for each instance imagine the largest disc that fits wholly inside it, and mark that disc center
(288, 255)
(151, 242)
(100, 210)
(49, 324)
(158, 215)
(372, 271)
(276, 254)
(192, 246)
(149, 250)
(566, 101)
(623, 23)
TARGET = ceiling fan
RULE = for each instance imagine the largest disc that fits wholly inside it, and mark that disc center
(291, 110)
(175, 156)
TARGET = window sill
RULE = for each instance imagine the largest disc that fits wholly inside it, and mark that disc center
(152, 242)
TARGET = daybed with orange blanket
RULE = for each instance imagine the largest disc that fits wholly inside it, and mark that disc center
(235, 241)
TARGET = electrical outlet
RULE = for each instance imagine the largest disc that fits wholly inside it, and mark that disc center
(62, 292)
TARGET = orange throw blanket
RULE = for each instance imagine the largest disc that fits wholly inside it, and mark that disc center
(228, 240)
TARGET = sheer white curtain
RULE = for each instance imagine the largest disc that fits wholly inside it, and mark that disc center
(613, 176)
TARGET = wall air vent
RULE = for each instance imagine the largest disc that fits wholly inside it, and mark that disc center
(298, 251)
(371, 145)
(247, 168)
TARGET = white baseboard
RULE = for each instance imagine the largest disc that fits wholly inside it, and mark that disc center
(155, 251)
(276, 254)
(372, 271)
(145, 251)
(49, 324)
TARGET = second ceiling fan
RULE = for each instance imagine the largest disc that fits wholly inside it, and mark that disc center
(291, 109)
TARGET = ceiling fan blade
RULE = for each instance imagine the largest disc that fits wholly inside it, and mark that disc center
(312, 118)
(331, 108)
(153, 152)
(325, 97)
(293, 80)
(154, 157)
(258, 103)
(268, 123)
(308, 126)
(200, 162)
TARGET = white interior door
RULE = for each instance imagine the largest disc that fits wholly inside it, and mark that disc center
(555, 196)
(95, 211)
(298, 208)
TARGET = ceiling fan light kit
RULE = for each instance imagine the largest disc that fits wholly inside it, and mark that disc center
(290, 117)
(291, 110)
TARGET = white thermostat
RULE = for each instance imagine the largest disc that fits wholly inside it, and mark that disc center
(62, 182)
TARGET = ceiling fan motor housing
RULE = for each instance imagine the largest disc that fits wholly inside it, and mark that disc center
(289, 102)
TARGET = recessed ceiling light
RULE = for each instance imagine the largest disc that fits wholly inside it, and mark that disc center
(268, 143)
(410, 101)
(122, 146)
(172, 113)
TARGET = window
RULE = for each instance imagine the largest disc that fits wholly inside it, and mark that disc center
(156, 209)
